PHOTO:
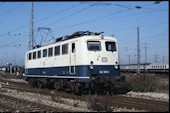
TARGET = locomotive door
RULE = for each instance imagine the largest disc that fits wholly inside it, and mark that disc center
(72, 58)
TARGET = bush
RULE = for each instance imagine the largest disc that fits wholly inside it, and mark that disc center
(100, 104)
(144, 83)
(12, 76)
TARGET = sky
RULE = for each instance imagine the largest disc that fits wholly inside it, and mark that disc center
(114, 18)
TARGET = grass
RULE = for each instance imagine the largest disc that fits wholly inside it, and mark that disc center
(148, 83)
(12, 76)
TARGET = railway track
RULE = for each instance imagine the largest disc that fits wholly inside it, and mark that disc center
(116, 100)
(141, 104)
(12, 104)
(13, 82)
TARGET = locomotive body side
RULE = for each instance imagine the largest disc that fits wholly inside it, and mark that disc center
(86, 60)
(76, 61)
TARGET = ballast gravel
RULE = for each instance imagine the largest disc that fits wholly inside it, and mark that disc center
(77, 105)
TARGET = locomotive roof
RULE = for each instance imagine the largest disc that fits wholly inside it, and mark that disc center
(74, 35)
(77, 34)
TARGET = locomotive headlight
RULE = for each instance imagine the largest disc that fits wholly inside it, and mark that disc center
(116, 66)
(91, 65)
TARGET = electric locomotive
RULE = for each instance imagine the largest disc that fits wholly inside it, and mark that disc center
(84, 61)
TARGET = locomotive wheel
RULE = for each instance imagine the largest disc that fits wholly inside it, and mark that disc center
(92, 88)
(77, 89)
(108, 88)
(40, 84)
(32, 82)
(57, 86)
(100, 89)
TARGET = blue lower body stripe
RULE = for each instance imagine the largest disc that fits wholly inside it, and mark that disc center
(77, 71)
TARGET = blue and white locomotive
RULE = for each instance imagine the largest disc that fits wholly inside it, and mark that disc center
(84, 59)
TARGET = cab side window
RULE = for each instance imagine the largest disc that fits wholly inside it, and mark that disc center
(39, 54)
(50, 52)
(64, 49)
(45, 53)
(29, 56)
(57, 50)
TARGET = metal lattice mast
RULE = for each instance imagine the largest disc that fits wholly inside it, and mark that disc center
(146, 52)
(138, 52)
(31, 39)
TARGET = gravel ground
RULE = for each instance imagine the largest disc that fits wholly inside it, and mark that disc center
(16, 80)
(69, 104)
(149, 95)
(75, 105)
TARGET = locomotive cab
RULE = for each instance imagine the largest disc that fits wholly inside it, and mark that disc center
(101, 56)
(97, 57)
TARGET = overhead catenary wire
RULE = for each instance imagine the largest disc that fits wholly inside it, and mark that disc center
(141, 26)
(12, 9)
(94, 20)
(131, 43)
(90, 21)
(68, 16)
(156, 36)
(54, 14)
(39, 20)
(155, 9)
(149, 39)
(86, 23)
(146, 6)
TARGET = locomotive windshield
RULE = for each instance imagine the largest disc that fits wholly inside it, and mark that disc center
(94, 45)
(110, 46)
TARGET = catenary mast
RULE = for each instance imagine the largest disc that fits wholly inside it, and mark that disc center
(31, 38)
